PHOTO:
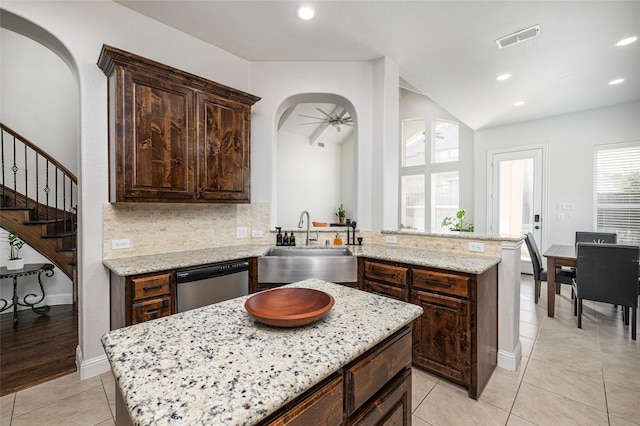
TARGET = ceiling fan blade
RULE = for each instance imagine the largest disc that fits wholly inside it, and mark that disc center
(347, 124)
(328, 116)
(315, 122)
(315, 118)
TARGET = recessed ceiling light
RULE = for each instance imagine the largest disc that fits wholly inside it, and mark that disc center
(305, 13)
(616, 81)
(626, 41)
(503, 77)
(518, 103)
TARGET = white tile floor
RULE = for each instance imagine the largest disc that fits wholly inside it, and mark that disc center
(567, 377)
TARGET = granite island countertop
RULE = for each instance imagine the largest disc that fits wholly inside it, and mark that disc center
(449, 260)
(216, 365)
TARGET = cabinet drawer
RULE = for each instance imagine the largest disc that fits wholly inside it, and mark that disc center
(368, 376)
(388, 273)
(150, 309)
(150, 286)
(441, 282)
(398, 293)
(391, 407)
(325, 404)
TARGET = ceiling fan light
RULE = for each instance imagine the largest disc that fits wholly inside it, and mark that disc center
(305, 13)
(626, 41)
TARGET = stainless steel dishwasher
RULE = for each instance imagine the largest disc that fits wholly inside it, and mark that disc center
(209, 284)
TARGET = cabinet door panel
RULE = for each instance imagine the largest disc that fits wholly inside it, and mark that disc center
(323, 407)
(157, 151)
(223, 149)
(443, 335)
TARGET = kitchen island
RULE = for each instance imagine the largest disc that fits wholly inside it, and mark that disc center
(217, 365)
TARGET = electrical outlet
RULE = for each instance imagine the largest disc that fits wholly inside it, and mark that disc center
(241, 232)
(390, 239)
(256, 233)
(479, 247)
(120, 244)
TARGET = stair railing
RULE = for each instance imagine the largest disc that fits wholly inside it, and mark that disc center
(38, 181)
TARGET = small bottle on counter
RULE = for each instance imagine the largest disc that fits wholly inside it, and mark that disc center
(292, 240)
(337, 241)
(285, 239)
(278, 236)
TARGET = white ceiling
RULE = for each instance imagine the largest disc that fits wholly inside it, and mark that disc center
(445, 49)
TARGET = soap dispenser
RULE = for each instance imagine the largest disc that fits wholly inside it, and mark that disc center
(292, 240)
(337, 241)
(278, 236)
(285, 239)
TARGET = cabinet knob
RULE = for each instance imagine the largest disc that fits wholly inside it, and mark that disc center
(191, 194)
(201, 194)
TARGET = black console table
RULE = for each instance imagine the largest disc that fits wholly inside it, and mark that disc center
(29, 269)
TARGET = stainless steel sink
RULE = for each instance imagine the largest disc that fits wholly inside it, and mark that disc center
(287, 265)
(304, 252)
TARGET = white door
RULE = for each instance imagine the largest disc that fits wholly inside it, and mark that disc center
(517, 196)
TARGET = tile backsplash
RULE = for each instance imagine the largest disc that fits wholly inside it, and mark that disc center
(154, 228)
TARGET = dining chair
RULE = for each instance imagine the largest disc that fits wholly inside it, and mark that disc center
(596, 237)
(608, 273)
(591, 237)
(539, 272)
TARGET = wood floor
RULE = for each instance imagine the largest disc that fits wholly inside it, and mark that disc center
(39, 349)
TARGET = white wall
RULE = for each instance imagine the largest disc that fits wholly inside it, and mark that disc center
(415, 105)
(39, 97)
(319, 191)
(570, 141)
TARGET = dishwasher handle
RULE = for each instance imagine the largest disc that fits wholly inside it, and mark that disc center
(210, 271)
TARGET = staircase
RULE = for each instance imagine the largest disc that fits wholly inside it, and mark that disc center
(38, 201)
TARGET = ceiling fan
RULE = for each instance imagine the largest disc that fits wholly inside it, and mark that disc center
(335, 119)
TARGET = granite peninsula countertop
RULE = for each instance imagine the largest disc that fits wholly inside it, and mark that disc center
(450, 260)
(216, 365)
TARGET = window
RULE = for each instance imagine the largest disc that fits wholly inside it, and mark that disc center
(617, 191)
(445, 142)
(435, 180)
(414, 143)
(444, 198)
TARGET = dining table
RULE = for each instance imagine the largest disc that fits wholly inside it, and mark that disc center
(557, 255)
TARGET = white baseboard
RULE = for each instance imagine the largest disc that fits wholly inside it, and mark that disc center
(510, 360)
(91, 367)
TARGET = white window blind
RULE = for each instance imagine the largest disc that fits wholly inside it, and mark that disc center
(617, 191)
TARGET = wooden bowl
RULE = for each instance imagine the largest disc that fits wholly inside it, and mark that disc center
(289, 307)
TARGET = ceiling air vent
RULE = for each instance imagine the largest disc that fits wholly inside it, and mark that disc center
(518, 37)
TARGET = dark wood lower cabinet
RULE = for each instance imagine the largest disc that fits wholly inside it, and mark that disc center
(456, 337)
(374, 389)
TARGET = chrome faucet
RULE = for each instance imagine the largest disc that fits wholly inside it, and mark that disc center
(304, 212)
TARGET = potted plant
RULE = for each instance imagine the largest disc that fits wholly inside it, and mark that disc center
(15, 244)
(458, 222)
(341, 213)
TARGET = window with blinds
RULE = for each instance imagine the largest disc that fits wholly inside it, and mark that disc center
(617, 191)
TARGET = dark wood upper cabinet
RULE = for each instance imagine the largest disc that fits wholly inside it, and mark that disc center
(174, 136)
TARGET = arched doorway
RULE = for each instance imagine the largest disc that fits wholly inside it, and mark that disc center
(40, 100)
(315, 158)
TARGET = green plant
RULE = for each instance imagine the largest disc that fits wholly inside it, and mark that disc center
(458, 222)
(341, 213)
(16, 244)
